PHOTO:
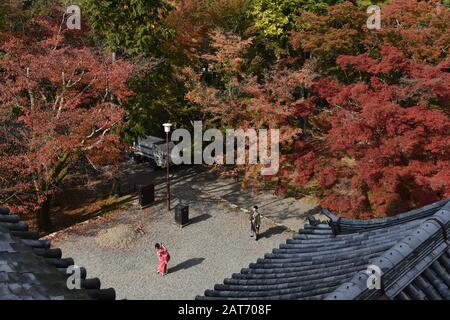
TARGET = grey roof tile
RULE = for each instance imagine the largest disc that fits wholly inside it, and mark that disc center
(316, 264)
(28, 267)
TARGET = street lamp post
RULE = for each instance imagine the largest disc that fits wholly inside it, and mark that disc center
(167, 127)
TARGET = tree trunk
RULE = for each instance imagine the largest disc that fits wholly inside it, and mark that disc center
(43, 216)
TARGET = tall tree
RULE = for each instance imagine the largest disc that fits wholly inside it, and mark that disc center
(131, 26)
(230, 97)
(139, 29)
(383, 147)
(274, 20)
(59, 103)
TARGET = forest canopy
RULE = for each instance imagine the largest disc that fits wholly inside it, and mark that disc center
(363, 113)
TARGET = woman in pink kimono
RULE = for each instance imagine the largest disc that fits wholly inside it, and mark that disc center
(164, 257)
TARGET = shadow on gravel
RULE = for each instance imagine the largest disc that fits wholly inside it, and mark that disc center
(272, 232)
(186, 264)
(200, 218)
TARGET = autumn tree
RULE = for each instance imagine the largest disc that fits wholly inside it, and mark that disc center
(60, 101)
(386, 135)
(363, 113)
(193, 20)
(231, 97)
(139, 30)
(15, 14)
(218, 88)
(338, 111)
(418, 28)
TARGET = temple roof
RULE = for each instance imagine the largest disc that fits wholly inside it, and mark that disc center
(334, 260)
(31, 270)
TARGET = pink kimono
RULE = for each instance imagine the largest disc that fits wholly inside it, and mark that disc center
(164, 258)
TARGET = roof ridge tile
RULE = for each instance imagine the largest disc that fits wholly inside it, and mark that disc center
(398, 253)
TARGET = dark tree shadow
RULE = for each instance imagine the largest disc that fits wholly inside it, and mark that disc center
(186, 264)
(272, 232)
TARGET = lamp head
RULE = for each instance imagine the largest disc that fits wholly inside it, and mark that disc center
(167, 127)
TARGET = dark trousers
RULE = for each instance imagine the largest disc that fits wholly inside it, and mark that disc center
(254, 229)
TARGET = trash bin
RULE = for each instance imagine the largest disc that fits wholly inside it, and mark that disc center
(181, 215)
(146, 194)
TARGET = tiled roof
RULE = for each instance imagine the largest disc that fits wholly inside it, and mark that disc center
(30, 269)
(330, 261)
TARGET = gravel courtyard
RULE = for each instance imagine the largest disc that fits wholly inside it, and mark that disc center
(120, 249)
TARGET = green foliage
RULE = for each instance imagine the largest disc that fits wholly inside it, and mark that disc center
(3, 16)
(131, 26)
(271, 24)
(138, 28)
(15, 14)
(273, 18)
(159, 98)
(366, 3)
